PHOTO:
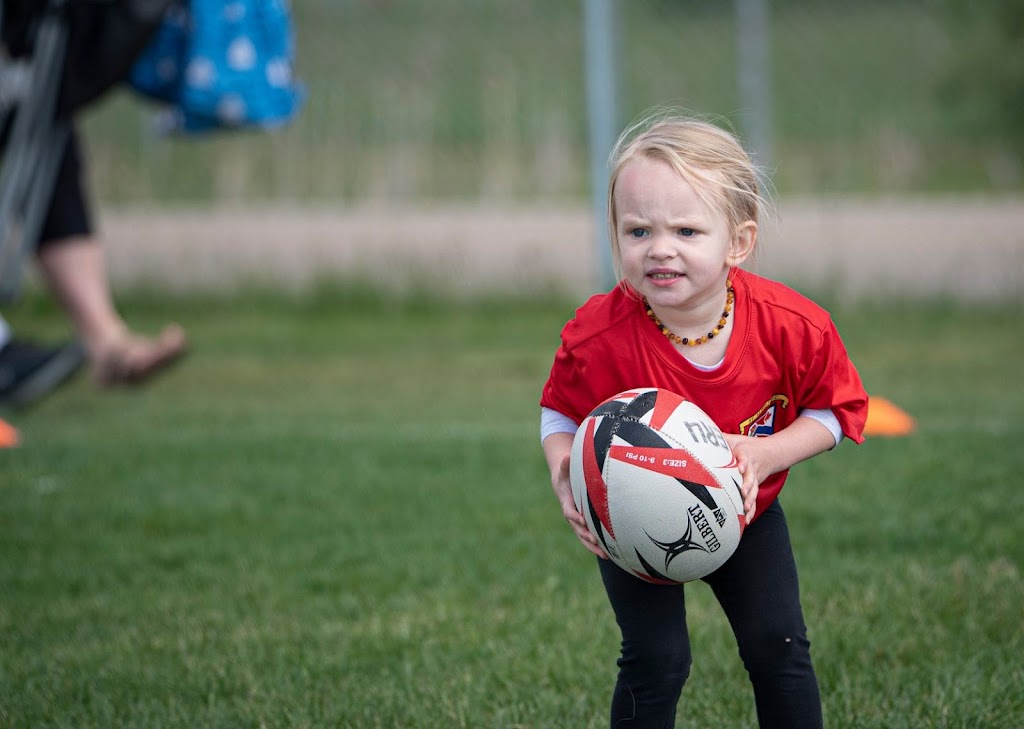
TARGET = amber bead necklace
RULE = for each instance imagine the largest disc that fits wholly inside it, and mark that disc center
(730, 297)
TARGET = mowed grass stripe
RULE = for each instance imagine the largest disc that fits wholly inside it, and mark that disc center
(309, 524)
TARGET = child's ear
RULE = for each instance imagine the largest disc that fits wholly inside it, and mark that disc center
(743, 242)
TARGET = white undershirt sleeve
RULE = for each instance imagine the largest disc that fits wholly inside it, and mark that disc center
(829, 420)
(552, 421)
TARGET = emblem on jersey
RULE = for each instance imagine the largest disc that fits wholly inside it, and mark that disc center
(763, 423)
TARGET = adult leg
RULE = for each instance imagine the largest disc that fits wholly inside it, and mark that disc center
(760, 594)
(655, 659)
(74, 269)
(75, 272)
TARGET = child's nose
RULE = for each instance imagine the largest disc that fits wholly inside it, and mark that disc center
(661, 246)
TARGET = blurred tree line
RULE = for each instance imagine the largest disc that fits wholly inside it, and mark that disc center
(485, 100)
(984, 86)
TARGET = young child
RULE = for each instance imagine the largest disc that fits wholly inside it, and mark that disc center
(764, 362)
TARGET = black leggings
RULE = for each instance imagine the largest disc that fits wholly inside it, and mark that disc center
(758, 590)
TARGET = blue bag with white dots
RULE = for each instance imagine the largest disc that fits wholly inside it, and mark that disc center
(222, 64)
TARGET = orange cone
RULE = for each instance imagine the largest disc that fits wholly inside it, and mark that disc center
(885, 419)
(8, 435)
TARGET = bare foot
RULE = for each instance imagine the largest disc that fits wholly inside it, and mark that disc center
(133, 359)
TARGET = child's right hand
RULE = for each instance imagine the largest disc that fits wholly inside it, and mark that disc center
(563, 490)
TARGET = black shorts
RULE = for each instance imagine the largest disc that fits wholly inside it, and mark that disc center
(68, 216)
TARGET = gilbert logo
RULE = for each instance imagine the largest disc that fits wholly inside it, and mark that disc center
(684, 544)
(696, 523)
(763, 423)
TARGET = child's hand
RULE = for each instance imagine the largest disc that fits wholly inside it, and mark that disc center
(563, 490)
(748, 455)
(760, 458)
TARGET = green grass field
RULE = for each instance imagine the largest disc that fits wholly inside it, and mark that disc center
(336, 513)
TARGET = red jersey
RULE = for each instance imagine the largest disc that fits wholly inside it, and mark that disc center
(784, 356)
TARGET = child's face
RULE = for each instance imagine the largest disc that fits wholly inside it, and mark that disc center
(674, 249)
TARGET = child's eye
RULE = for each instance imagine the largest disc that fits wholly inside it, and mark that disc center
(637, 232)
(687, 232)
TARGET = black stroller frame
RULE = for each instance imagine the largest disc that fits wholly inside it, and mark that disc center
(37, 139)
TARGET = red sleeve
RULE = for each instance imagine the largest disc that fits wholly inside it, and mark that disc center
(832, 382)
(581, 376)
(566, 389)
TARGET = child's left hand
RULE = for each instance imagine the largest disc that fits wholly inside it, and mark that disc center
(759, 458)
(749, 453)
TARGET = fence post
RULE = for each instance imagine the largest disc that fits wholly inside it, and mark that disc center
(601, 62)
(754, 78)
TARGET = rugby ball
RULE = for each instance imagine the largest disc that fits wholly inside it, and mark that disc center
(658, 485)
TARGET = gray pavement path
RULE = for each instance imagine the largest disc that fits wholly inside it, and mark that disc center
(968, 249)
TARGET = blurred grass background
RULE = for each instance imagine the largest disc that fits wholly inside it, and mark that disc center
(410, 100)
(336, 513)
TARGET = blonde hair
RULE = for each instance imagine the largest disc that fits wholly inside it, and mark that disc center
(708, 157)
